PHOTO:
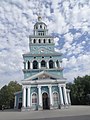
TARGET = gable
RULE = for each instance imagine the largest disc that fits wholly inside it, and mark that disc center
(42, 75)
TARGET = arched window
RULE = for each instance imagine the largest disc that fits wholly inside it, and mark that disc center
(36, 27)
(55, 98)
(35, 64)
(34, 98)
(44, 41)
(28, 65)
(43, 63)
(57, 62)
(49, 41)
(34, 41)
(50, 64)
(40, 26)
(39, 40)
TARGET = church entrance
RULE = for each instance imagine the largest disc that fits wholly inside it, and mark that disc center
(46, 102)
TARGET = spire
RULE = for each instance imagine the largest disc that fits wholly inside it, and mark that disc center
(39, 10)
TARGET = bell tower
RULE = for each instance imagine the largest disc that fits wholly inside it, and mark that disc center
(42, 56)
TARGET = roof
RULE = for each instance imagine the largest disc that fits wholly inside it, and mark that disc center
(17, 92)
(54, 54)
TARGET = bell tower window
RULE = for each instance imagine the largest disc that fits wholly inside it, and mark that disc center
(36, 27)
(44, 40)
(40, 26)
(39, 41)
(35, 64)
(50, 64)
(34, 41)
(49, 41)
(43, 63)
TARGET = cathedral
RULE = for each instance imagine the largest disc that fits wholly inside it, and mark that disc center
(43, 86)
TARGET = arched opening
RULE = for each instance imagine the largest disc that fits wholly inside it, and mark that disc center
(28, 65)
(55, 98)
(49, 41)
(36, 27)
(40, 26)
(46, 102)
(43, 63)
(44, 41)
(35, 64)
(39, 40)
(34, 41)
(34, 98)
(57, 62)
(50, 64)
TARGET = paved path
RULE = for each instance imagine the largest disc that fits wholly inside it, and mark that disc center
(62, 114)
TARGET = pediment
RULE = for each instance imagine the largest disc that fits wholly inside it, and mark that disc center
(42, 75)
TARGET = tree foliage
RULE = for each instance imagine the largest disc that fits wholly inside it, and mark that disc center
(7, 94)
(80, 90)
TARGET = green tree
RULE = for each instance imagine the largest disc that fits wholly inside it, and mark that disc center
(7, 94)
(80, 89)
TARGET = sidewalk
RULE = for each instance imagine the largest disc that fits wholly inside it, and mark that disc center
(72, 111)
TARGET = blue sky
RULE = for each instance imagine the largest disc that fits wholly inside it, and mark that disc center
(69, 23)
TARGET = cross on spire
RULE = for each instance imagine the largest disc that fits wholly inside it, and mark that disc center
(39, 10)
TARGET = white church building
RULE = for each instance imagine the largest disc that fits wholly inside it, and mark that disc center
(43, 86)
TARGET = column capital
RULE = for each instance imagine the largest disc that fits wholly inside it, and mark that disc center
(23, 87)
(39, 86)
(49, 86)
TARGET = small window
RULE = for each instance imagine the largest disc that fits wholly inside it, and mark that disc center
(44, 40)
(49, 41)
(20, 99)
(34, 41)
(40, 26)
(50, 56)
(39, 41)
(42, 57)
(36, 27)
(41, 34)
(38, 33)
(34, 57)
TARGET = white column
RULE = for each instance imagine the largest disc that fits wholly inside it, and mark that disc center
(61, 95)
(60, 64)
(15, 101)
(55, 64)
(65, 95)
(40, 95)
(47, 64)
(24, 97)
(39, 64)
(31, 65)
(69, 101)
(50, 92)
(29, 98)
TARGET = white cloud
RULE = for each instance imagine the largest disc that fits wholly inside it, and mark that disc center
(17, 18)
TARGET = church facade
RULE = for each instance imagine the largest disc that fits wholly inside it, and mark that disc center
(43, 86)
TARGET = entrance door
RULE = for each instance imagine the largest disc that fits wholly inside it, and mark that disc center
(45, 99)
